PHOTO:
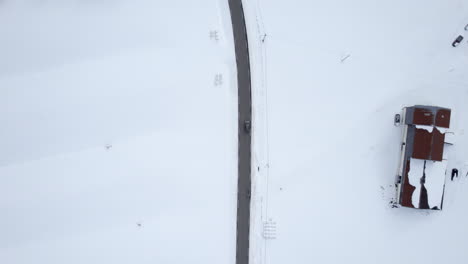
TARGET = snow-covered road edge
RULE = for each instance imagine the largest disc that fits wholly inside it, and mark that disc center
(257, 37)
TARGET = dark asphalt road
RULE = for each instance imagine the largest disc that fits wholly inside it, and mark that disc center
(245, 117)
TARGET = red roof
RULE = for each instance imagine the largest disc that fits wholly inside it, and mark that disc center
(428, 145)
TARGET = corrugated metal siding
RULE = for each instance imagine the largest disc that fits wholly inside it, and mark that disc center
(438, 141)
(428, 145)
(422, 144)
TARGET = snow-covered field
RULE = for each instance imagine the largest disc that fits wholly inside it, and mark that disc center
(328, 78)
(119, 130)
(118, 139)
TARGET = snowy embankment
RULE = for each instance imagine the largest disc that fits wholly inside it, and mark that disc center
(329, 76)
(119, 132)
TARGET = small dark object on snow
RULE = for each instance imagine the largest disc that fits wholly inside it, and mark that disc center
(397, 120)
(457, 41)
(454, 173)
(393, 204)
(466, 27)
(247, 126)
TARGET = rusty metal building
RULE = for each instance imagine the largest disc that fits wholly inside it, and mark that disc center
(421, 177)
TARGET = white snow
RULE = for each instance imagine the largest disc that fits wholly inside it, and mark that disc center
(442, 130)
(325, 196)
(435, 182)
(427, 128)
(118, 141)
(450, 138)
(414, 177)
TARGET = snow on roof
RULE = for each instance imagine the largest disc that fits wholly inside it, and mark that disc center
(450, 138)
(415, 173)
(435, 182)
(428, 178)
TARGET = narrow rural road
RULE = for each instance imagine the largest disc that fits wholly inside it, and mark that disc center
(245, 119)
